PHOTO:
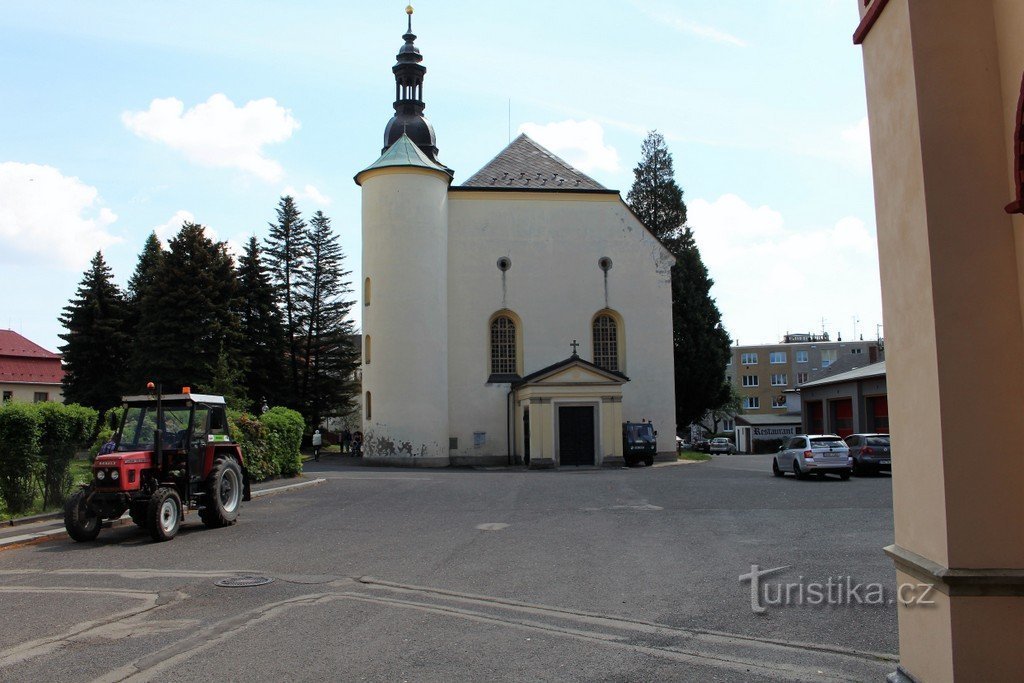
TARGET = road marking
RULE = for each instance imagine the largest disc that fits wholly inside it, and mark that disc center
(492, 526)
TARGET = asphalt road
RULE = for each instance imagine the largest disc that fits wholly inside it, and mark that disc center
(428, 575)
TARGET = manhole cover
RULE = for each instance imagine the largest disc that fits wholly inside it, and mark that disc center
(244, 581)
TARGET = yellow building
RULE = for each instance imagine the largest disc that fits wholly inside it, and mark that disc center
(945, 98)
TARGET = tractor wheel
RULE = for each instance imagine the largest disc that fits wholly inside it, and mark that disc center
(223, 493)
(163, 515)
(138, 513)
(81, 523)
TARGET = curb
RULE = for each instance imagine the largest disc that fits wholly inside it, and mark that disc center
(125, 519)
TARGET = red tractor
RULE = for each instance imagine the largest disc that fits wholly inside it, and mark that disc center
(172, 453)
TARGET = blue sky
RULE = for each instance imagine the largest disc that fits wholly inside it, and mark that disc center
(121, 118)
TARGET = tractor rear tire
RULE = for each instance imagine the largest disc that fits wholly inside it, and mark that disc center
(223, 493)
(82, 524)
(163, 515)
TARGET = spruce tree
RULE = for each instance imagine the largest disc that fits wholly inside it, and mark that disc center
(96, 345)
(287, 249)
(187, 314)
(655, 197)
(262, 333)
(700, 342)
(145, 269)
(329, 357)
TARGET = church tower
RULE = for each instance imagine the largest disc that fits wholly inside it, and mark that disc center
(405, 274)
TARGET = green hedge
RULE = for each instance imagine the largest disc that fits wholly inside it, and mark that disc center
(37, 444)
(251, 435)
(284, 435)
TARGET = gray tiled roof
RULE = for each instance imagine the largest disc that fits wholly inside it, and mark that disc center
(526, 165)
(866, 372)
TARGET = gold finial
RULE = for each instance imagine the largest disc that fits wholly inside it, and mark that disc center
(408, 9)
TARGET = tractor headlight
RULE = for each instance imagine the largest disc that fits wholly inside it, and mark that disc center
(101, 474)
(114, 475)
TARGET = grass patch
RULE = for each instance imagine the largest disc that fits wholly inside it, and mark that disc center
(694, 455)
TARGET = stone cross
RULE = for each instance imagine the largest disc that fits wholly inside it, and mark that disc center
(574, 345)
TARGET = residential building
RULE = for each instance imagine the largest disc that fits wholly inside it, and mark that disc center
(764, 375)
(28, 372)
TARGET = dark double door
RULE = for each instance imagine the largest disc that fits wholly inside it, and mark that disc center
(575, 435)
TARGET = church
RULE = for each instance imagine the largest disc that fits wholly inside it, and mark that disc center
(520, 317)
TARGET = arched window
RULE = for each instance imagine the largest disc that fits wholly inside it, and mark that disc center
(1017, 206)
(366, 292)
(368, 408)
(503, 345)
(607, 341)
(366, 350)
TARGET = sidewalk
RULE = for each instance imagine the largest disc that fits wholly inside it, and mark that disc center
(51, 525)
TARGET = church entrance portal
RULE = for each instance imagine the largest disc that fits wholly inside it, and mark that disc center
(575, 435)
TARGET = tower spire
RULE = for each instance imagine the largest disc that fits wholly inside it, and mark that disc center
(409, 105)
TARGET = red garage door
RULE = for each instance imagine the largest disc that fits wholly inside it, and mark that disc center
(842, 417)
(878, 409)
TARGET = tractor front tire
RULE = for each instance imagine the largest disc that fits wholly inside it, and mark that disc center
(224, 489)
(81, 523)
(163, 515)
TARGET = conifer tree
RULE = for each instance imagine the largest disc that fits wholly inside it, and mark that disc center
(655, 197)
(145, 269)
(329, 357)
(287, 250)
(187, 314)
(262, 333)
(96, 345)
(700, 343)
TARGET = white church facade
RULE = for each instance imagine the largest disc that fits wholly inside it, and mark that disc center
(522, 316)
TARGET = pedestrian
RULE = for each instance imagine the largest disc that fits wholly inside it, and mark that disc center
(357, 444)
(346, 440)
(317, 441)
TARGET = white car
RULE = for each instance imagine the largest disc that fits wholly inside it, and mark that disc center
(818, 453)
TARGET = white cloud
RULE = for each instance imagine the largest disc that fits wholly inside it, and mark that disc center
(771, 278)
(308, 192)
(165, 231)
(674, 20)
(581, 143)
(857, 141)
(216, 133)
(48, 217)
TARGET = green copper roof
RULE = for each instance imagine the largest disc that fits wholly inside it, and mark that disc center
(404, 153)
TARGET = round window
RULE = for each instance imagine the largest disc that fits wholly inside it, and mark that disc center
(604, 263)
(504, 263)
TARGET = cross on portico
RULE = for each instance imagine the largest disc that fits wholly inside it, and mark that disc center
(574, 345)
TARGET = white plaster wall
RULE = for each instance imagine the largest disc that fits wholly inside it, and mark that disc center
(555, 286)
(405, 222)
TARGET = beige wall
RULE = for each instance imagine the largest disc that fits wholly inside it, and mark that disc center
(555, 287)
(25, 393)
(943, 80)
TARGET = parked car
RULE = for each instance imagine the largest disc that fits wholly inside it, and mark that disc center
(870, 453)
(818, 453)
(702, 446)
(720, 444)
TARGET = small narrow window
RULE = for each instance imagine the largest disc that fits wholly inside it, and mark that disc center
(503, 346)
(366, 292)
(366, 350)
(606, 342)
(369, 406)
(1017, 206)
